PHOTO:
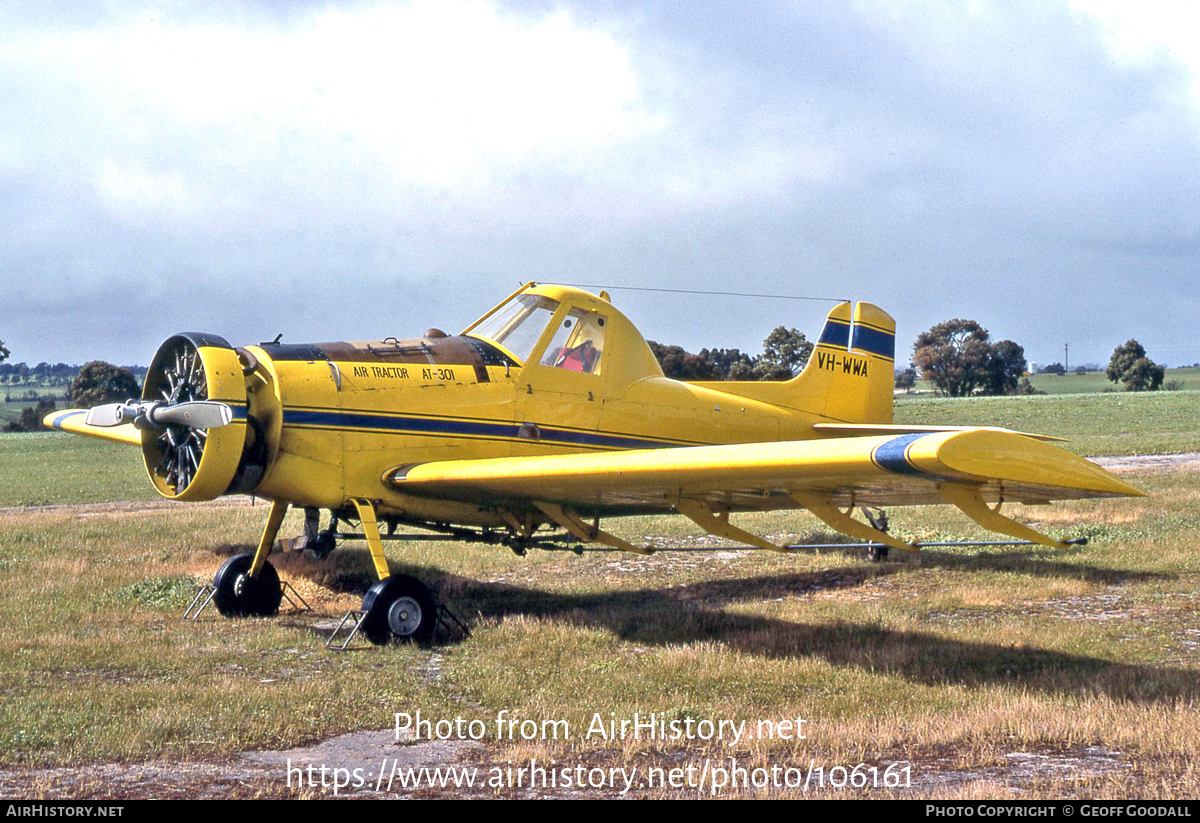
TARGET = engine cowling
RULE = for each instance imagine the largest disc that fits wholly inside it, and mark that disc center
(191, 463)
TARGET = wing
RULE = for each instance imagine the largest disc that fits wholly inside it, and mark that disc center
(876, 471)
(966, 468)
(73, 420)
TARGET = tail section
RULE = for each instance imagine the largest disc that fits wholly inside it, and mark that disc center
(849, 377)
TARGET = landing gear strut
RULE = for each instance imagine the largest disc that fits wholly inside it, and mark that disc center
(398, 606)
(248, 585)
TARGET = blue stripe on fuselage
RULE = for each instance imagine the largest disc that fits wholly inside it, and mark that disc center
(450, 427)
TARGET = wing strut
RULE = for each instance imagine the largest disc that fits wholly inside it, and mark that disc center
(834, 517)
(719, 525)
(975, 507)
(570, 521)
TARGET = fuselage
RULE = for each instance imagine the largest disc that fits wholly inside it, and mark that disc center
(337, 416)
(550, 370)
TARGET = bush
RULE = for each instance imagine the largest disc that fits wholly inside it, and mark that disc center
(31, 417)
(1026, 388)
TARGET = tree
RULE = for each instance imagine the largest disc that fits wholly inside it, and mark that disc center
(960, 359)
(954, 355)
(906, 379)
(99, 382)
(785, 352)
(1005, 367)
(1054, 368)
(3, 352)
(725, 362)
(1129, 365)
(1144, 375)
(679, 364)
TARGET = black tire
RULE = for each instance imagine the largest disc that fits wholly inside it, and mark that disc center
(877, 553)
(399, 607)
(240, 596)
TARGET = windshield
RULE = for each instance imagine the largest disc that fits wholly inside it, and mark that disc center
(518, 324)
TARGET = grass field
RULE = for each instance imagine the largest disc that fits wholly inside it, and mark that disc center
(1187, 379)
(991, 673)
(1092, 382)
(1096, 424)
(44, 468)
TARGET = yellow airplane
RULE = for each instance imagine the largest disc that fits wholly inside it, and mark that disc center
(551, 413)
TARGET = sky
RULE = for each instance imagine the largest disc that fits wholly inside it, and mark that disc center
(354, 170)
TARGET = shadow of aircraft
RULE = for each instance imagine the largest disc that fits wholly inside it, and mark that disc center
(694, 612)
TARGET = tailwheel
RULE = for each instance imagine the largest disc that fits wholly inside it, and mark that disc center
(399, 607)
(240, 595)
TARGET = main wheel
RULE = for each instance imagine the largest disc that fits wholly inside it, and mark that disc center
(399, 607)
(239, 595)
(877, 553)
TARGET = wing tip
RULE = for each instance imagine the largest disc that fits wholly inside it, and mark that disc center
(56, 418)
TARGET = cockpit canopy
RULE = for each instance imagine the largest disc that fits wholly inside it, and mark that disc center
(577, 342)
(571, 331)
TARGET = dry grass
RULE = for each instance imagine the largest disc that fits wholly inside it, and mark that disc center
(992, 672)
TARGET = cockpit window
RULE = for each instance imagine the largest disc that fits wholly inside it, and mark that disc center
(518, 324)
(578, 342)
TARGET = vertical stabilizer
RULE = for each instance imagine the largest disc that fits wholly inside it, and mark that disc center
(850, 376)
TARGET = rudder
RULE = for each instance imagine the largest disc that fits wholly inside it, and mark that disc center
(849, 378)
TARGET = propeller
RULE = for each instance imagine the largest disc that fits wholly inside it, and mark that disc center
(176, 408)
(158, 414)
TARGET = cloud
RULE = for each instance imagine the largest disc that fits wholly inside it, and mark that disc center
(342, 170)
(389, 101)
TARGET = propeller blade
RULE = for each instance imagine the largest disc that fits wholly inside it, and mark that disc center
(195, 414)
(110, 414)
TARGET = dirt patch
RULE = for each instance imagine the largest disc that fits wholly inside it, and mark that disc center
(1024, 769)
(1085, 607)
(352, 760)
(377, 761)
(127, 507)
(1150, 463)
